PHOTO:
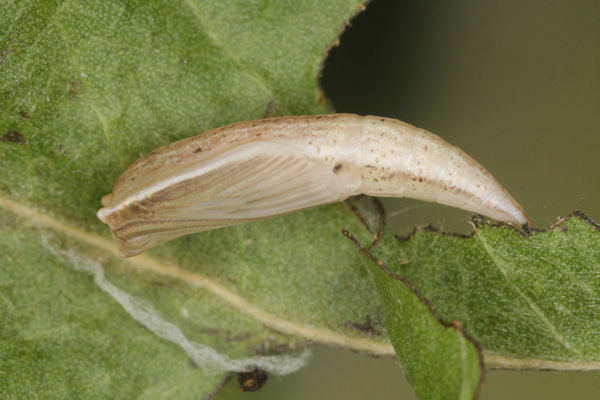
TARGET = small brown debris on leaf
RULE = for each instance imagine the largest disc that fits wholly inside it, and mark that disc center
(253, 380)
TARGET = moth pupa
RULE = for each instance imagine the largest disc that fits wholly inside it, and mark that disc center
(259, 169)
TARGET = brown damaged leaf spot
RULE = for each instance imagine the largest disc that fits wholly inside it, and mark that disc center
(367, 327)
(13, 137)
(60, 149)
(451, 325)
(75, 88)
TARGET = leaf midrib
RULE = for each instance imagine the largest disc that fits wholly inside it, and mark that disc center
(317, 335)
(149, 264)
(528, 300)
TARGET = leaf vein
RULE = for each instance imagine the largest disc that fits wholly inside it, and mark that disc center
(528, 300)
(328, 337)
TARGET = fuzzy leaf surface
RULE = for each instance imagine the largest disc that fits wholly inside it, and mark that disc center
(85, 89)
(439, 360)
(530, 300)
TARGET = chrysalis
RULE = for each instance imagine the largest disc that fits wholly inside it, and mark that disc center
(259, 169)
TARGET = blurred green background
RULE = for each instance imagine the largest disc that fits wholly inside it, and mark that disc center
(517, 86)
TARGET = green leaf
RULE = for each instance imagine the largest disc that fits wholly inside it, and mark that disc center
(439, 360)
(63, 337)
(88, 87)
(85, 89)
(530, 300)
